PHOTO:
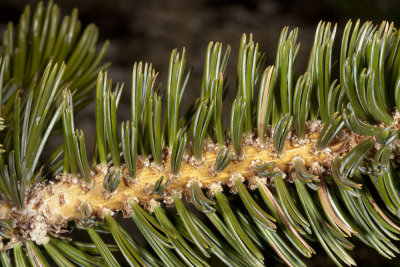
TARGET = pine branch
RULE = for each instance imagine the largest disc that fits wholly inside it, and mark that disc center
(314, 158)
(63, 199)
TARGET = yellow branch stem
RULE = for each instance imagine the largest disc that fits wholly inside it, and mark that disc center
(60, 202)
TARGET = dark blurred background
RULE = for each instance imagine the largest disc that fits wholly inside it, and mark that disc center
(147, 30)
